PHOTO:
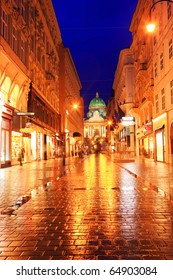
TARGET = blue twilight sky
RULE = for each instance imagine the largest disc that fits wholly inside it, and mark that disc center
(95, 31)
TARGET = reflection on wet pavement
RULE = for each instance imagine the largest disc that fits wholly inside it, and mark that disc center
(96, 211)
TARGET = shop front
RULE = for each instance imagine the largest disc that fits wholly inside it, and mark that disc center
(160, 145)
(159, 124)
(5, 135)
(148, 141)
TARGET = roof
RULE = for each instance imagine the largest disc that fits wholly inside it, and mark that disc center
(97, 102)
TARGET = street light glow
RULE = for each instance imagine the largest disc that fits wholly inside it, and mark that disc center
(75, 106)
(150, 27)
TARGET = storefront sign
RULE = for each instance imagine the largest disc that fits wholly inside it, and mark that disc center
(148, 127)
(28, 135)
(126, 121)
(25, 113)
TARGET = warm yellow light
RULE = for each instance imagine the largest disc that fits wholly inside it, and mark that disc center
(109, 122)
(150, 27)
(75, 106)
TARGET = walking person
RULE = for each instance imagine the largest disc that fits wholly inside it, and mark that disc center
(21, 155)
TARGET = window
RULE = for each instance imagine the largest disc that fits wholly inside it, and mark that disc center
(169, 12)
(4, 25)
(170, 49)
(43, 62)
(163, 98)
(155, 69)
(32, 43)
(157, 103)
(22, 51)
(22, 9)
(39, 54)
(154, 40)
(14, 39)
(171, 90)
(161, 61)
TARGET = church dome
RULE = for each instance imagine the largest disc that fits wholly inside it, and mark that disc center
(97, 102)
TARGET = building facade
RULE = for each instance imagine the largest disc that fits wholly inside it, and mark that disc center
(162, 44)
(152, 106)
(153, 83)
(141, 48)
(123, 86)
(95, 124)
(30, 44)
(71, 104)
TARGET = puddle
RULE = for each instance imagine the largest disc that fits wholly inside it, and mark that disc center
(8, 211)
(22, 200)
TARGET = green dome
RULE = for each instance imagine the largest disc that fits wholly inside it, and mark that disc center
(97, 102)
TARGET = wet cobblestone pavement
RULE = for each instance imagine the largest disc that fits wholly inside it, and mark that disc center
(97, 210)
(156, 174)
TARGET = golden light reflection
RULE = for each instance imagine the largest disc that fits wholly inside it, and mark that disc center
(100, 201)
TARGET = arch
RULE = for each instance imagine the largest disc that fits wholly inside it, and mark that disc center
(14, 96)
(5, 88)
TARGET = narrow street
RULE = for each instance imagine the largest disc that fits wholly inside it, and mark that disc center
(90, 209)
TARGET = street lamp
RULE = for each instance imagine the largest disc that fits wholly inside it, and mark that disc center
(75, 106)
(151, 25)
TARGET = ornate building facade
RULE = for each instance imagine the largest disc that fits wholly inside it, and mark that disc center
(152, 105)
(123, 85)
(30, 44)
(153, 83)
(95, 123)
(141, 48)
(71, 104)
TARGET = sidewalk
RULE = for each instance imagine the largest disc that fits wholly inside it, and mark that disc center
(17, 182)
(157, 175)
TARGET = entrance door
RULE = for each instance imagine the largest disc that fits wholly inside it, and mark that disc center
(5, 146)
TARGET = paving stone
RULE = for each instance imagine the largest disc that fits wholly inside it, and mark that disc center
(100, 210)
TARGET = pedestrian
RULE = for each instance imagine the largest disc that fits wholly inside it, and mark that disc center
(21, 155)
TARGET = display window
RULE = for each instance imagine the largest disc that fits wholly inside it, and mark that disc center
(16, 143)
(5, 141)
(160, 146)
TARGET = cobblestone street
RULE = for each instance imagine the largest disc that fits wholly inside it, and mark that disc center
(92, 209)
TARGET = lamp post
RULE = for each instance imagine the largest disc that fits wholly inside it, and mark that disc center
(151, 25)
(109, 134)
(71, 105)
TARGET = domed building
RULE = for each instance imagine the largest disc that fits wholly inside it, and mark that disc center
(95, 123)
